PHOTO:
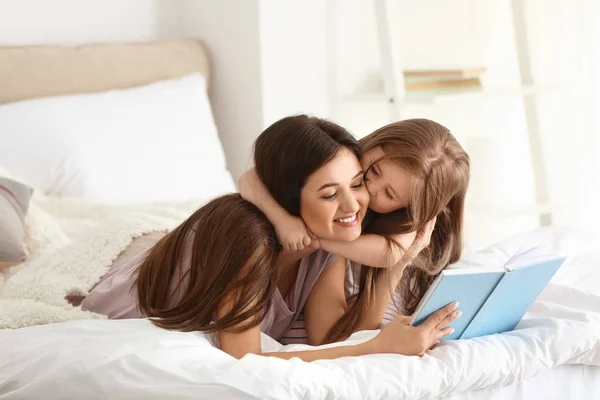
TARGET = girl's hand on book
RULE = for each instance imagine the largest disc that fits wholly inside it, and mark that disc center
(399, 337)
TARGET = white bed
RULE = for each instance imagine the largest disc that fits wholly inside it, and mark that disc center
(564, 382)
(554, 353)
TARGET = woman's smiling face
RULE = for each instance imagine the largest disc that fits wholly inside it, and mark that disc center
(334, 200)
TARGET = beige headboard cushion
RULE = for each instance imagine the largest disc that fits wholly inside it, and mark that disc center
(28, 72)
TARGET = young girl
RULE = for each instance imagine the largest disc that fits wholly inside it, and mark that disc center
(416, 171)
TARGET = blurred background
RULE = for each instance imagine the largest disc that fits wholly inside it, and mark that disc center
(516, 81)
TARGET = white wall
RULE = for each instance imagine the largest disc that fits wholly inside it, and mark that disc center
(76, 21)
(293, 58)
(230, 28)
(269, 61)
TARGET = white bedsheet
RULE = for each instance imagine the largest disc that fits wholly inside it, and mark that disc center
(96, 359)
(564, 382)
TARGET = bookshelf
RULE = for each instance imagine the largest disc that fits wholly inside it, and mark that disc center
(396, 97)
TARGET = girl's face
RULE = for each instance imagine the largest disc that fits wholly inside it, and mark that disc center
(389, 185)
(334, 199)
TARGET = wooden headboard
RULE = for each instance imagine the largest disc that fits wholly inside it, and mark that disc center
(28, 72)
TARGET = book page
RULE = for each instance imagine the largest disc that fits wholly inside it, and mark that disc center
(511, 299)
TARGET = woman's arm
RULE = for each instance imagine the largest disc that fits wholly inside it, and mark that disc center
(238, 344)
(398, 337)
(370, 249)
(326, 303)
(248, 342)
(291, 231)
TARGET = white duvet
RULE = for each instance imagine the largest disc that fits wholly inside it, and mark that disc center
(132, 359)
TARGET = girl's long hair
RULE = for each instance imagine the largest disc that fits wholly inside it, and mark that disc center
(440, 167)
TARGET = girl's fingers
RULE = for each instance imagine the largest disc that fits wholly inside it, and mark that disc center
(306, 241)
(422, 238)
(425, 233)
(429, 227)
(433, 222)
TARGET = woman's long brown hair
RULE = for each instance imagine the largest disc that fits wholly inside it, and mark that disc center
(226, 250)
(291, 149)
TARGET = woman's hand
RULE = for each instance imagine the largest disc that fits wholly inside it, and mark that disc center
(293, 234)
(399, 337)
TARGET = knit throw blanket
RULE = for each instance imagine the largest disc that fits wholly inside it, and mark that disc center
(71, 244)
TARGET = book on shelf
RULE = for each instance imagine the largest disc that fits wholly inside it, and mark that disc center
(444, 74)
(452, 84)
(443, 80)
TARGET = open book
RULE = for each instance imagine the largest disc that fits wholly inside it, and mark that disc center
(492, 299)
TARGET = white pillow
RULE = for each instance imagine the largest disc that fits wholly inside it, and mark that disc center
(156, 142)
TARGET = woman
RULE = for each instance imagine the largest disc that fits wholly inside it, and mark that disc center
(220, 270)
(416, 172)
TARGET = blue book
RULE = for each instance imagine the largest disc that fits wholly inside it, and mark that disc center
(492, 299)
